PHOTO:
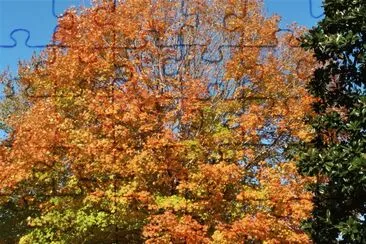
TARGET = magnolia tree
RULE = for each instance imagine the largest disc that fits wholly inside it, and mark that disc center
(337, 154)
(161, 122)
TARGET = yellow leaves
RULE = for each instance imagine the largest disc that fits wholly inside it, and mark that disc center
(192, 152)
(305, 134)
(174, 203)
(252, 194)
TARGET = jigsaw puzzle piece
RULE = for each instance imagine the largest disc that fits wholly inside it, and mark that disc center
(35, 26)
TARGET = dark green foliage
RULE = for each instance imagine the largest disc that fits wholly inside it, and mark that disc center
(337, 155)
(13, 220)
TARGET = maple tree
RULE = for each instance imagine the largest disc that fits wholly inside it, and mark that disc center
(164, 122)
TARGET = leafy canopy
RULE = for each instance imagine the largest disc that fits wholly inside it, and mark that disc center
(337, 155)
(163, 122)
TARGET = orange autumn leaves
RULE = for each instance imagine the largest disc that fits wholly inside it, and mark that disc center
(169, 121)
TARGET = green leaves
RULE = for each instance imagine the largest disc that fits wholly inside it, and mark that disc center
(337, 154)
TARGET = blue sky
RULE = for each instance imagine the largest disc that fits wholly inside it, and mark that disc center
(38, 17)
